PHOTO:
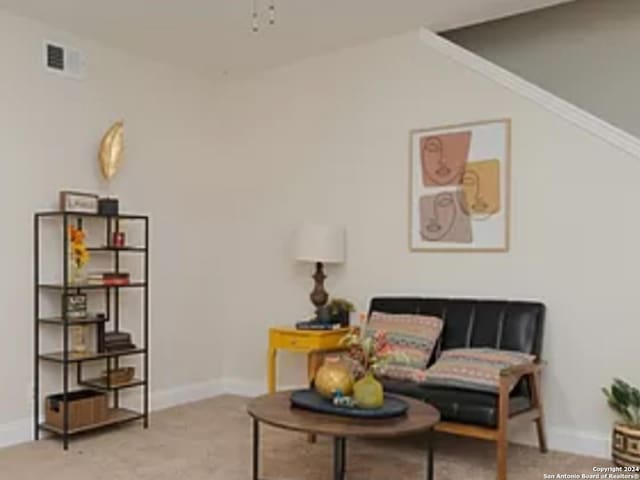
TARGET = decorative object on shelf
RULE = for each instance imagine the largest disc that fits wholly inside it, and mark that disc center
(78, 336)
(85, 407)
(109, 278)
(340, 310)
(111, 150)
(109, 207)
(320, 244)
(332, 377)
(78, 202)
(75, 305)
(78, 254)
(119, 376)
(118, 239)
(460, 187)
(625, 401)
(117, 341)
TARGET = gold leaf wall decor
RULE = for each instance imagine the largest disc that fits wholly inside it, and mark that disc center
(111, 150)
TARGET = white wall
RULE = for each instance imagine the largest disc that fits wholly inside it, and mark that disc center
(583, 51)
(228, 172)
(327, 140)
(50, 128)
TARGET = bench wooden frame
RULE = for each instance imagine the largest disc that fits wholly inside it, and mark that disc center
(508, 378)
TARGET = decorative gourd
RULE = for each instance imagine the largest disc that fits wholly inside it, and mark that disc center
(368, 392)
(333, 376)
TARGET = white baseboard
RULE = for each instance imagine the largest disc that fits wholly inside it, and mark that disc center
(250, 388)
(591, 444)
(561, 439)
(16, 432)
(161, 399)
(21, 431)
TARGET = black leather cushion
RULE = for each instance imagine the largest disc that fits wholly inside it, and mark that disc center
(469, 323)
(461, 406)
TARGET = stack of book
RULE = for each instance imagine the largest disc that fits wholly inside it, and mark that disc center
(117, 341)
(318, 325)
(109, 278)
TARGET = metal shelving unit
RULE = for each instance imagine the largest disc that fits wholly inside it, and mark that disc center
(67, 359)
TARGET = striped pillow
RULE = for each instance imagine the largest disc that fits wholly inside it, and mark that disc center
(411, 338)
(473, 368)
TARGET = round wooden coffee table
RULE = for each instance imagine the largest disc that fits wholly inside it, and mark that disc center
(275, 410)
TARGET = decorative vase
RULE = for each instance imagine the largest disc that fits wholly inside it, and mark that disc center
(77, 274)
(368, 392)
(78, 339)
(625, 448)
(333, 376)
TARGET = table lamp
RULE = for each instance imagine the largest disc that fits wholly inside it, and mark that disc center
(319, 244)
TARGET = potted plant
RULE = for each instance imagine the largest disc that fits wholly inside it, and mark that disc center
(340, 309)
(367, 354)
(78, 254)
(625, 401)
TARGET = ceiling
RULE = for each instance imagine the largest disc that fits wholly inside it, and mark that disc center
(214, 37)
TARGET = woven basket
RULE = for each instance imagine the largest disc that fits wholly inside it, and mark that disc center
(120, 376)
(625, 448)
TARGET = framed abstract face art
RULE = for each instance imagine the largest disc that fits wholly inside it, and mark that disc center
(460, 187)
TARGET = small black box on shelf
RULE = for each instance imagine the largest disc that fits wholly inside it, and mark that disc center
(108, 206)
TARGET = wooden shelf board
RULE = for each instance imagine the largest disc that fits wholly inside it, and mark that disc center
(121, 216)
(88, 286)
(116, 416)
(84, 357)
(73, 321)
(116, 249)
(101, 384)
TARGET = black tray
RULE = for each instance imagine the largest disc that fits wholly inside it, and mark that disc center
(310, 400)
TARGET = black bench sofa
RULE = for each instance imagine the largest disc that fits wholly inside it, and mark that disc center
(471, 323)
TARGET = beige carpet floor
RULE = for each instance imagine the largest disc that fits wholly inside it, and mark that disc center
(211, 440)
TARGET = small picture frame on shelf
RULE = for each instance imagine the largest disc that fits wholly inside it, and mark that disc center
(78, 202)
(75, 305)
(109, 207)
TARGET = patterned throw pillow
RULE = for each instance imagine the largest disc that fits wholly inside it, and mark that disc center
(473, 368)
(411, 339)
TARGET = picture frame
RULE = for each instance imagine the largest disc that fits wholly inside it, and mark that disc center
(460, 179)
(75, 305)
(78, 202)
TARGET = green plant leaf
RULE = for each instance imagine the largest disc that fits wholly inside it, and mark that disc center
(635, 397)
(624, 400)
(621, 394)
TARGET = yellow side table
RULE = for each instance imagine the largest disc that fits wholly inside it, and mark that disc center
(313, 343)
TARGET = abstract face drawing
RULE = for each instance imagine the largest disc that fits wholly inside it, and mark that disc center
(442, 218)
(481, 186)
(444, 158)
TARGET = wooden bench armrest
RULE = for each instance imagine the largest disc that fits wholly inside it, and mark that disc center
(520, 370)
(511, 375)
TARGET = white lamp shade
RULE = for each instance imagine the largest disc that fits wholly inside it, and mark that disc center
(320, 243)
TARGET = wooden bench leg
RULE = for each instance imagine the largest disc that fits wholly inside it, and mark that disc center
(537, 399)
(502, 444)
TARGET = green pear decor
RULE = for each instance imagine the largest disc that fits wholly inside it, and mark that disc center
(368, 352)
(368, 392)
(625, 401)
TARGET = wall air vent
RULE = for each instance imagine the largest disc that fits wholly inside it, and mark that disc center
(65, 61)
